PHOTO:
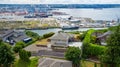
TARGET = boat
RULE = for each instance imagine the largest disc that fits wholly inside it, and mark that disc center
(69, 27)
(43, 15)
(30, 16)
(74, 21)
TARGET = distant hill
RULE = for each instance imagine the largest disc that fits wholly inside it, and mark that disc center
(62, 5)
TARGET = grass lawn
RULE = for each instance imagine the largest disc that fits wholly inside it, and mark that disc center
(42, 42)
(88, 64)
(32, 63)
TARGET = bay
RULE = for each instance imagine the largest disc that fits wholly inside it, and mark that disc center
(96, 14)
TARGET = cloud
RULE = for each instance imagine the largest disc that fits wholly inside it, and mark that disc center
(60, 1)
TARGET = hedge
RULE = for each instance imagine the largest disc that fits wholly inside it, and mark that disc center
(96, 50)
(33, 35)
(89, 49)
(87, 38)
(86, 43)
(48, 35)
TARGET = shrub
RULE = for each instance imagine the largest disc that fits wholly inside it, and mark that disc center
(24, 55)
(22, 44)
(33, 34)
(96, 50)
(17, 48)
(82, 36)
(93, 39)
(73, 54)
(48, 35)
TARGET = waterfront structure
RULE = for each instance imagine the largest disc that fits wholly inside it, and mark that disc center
(61, 39)
(50, 62)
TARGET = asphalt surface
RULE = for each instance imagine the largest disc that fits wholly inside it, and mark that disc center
(49, 53)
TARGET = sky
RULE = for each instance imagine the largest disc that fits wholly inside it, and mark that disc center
(59, 1)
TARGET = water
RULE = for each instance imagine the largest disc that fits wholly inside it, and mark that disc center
(95, 14)
(41, 32)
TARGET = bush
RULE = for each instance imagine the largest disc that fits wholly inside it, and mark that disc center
(32, 34)
(96, 50)
(93, 39)
(48, 35)
(24, 55)
(73, 54)
(17, 48)
(21, 43)
(82, 36)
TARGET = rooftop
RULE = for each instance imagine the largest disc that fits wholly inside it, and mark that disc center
(4, 33)
(63, 36)
(51, 62)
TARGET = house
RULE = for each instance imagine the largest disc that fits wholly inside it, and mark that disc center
(61, 39)
(103, 38)
(50, 62)
(5, 34)
(13, 36)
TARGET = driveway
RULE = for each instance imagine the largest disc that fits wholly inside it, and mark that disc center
(49, 53)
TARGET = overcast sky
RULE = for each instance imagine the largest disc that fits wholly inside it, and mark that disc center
(60, 1)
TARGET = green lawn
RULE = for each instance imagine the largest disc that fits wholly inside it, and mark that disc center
(88, 64)
(32, 63)
(42, 42)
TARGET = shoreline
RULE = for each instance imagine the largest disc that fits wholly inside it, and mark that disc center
(51, 28)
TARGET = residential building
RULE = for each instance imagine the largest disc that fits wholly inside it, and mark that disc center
(103, 38)
(50, 62)
(13, 36)
(61, 39)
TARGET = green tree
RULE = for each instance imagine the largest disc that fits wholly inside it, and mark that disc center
(112, 54)
(17, 48)
(22, 44)
(24, 55)
(6, 55)
(73, 54)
